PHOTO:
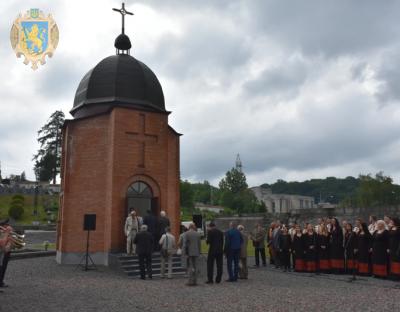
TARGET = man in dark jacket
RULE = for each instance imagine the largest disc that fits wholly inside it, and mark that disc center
(233, 244)
(215, 240)
(152, 226)
(163, 223)
(144, 247)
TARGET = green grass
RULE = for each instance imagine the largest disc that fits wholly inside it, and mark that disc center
(28, 216)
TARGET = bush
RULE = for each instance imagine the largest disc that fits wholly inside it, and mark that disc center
(16, 210)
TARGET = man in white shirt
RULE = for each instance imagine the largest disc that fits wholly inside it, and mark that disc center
(132, 226)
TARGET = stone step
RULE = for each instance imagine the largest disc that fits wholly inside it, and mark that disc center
(130, 265)
(154, 261)
(156, 272)
(154, 266)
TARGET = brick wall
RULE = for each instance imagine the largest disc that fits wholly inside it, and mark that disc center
(100, 161)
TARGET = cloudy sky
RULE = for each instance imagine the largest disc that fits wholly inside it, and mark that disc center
(301, 89)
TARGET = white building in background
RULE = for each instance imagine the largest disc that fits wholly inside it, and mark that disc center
(282, 203)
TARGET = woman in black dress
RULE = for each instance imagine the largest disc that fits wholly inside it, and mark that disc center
(298, 250)
(350, 245)
(284, 249)
(310, 249)
(394, 242)
(380, 247)
(336, 252)
(323, 249)
(364, 244)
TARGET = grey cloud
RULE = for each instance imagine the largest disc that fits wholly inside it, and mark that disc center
(284, 80)
(389, 76)
(331, 28)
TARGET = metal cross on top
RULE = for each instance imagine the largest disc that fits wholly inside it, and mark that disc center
(123, 13)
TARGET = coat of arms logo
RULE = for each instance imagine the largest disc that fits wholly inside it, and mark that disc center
(34, 36)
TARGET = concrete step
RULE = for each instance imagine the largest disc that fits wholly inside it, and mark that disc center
(130, 265)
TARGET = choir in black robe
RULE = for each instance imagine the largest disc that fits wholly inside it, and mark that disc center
(350, 243)
(336, 252)
(379, 254)
(310, 249)
(394, 240)
(323, 253)
(284, 250)
(364, 244)
(298, 252)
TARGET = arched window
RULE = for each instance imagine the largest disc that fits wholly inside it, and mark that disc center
(139, 189)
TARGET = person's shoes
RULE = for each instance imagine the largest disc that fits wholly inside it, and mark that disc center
(264, 265)
(150, 277)
(3, 285)
(218, 281)
(256, 266)
(142, 278)
(229, 280)
(209, 282)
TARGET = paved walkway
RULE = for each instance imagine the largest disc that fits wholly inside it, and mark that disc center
(42, 285)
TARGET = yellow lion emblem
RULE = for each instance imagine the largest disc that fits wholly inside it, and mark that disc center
(35, 37)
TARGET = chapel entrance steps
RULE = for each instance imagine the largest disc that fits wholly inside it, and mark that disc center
(130, 265)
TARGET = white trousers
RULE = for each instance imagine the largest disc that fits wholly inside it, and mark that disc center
(130, 246)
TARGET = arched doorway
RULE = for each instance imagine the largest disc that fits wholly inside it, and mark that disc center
(140, 197)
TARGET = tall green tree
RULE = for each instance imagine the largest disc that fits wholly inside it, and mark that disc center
(48, 158)
(187, 195)
(234, 181)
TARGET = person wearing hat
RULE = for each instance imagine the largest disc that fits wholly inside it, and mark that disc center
(215, 240)
(132, 225)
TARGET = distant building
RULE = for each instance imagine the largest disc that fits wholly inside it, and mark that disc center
(205, 207)
(282, 203)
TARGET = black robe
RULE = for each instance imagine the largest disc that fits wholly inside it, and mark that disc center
(394, 242)
(336, 252)
(323, 253)
(298, 252)
(350, 243)
(284, 250)
(310, 249)
(379, 254)
(364, 244)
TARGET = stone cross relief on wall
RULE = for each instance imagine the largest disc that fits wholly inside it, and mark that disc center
(143, 139)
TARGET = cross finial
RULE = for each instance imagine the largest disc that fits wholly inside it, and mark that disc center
(123, 13)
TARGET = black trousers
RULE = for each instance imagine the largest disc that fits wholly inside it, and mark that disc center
(285, 259)
(218, 258)
(145, 265)
(3, 267)
(258, 252)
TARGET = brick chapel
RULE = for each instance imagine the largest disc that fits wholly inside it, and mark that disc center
(118, 152)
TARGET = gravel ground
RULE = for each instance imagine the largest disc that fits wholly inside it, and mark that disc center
(41, 285)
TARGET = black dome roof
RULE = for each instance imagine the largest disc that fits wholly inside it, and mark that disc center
(118, 80)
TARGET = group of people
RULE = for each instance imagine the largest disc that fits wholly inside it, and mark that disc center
(149, 234)
(331, 247)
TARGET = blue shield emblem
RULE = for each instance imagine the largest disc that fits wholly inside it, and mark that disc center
(35, 35)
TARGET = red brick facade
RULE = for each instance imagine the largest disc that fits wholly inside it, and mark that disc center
(102, 156)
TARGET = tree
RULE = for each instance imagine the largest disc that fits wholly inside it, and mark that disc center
(234, 181)
(16, 210)
(187, 195)
(48, 157)
(23, 176)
